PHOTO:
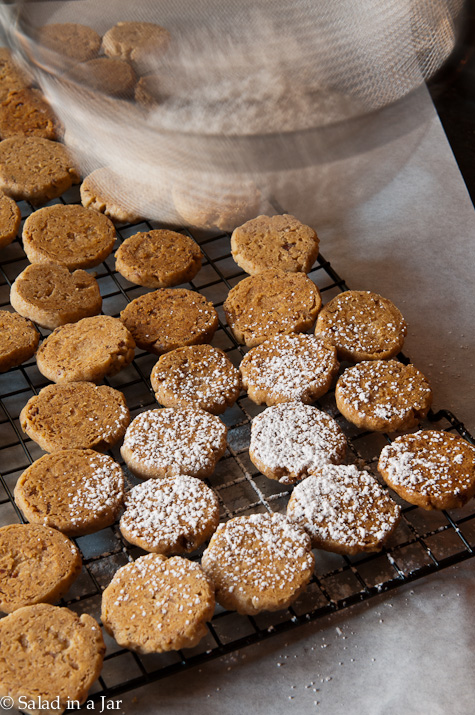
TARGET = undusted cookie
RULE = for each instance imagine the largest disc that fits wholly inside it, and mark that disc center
(76, 491)
(106, 192)
(18, 340)
(258, 563)
(362, 326)
(289, 441)
(343, 510)
(111, 76)
(75, 415)
(157, 604)
(25, 113)
(48, 655)
(51, 296)
(11, 77)
(90, 350)
(69, 235)
(158, 258)
(383, 395)
(271, 303)
(166, 442)
(289, 367)
(431, 468)
(197, 375)
(170, 318)
(139, 42)
(279, 242)
(173, 515)
(70, 39)
(10, 219)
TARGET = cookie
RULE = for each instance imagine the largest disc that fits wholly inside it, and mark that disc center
(173, 515)
(383, 395)
(76, 491)
(103, 74)
(287, 368)
(106, 192)
(10, 220)
(289, 441)
(274, 242)
(69, 235)
(149, 90)
(75, 415)
(196, 376)
(71, 40)
(48, 655)
(271, 303)
(38, 565)
(432, 469)
(25, 113)
(11, 76)
(170, 318)
(157, 604)
(139, 42)
(158, 258)
(89, 350)
(35, 169)
(167, 442)
(51, 296)
(362, 326)
(258, 563)
(343, 510)
(18, 340)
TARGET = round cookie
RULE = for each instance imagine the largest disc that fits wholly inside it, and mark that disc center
(70, 39)
(149, 90)
(289, 441)
(69, 235)
(289, 367)
(383, 395)
(35, 169)
(138, 42)
(173, 515)
(167, 442)
(11, 77)
(89, 350)
(196, 376)
(155, 604)
(271, 303)
(103, 74)
(258, 563)
(18, 340)
(51, 296)
(10, 220)
(75, 415)
(274, 242)
(170, 318)
(107, 192)
(25, 113)
(362, 326)
(49, 655)
(76, 491)
(431, 468)
(343, 510)
(38, 565)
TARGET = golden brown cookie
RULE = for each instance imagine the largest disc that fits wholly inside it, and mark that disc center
(383, 395)
(173, 515)
(196, 376)
(48, 655)
(103, 74)
(35, 169)
(25, 113)
(106, 192)
(89, 350)
(10, 219)
(70, 39)
(343, 510)
(289, 441)
(155, 604)
(289, 367)
(18, 340)
(149, 90)
(158, 258)
(431, 468)
(279, 242)
(76, 491)
(75, 415)
(11, 76)
(139, 42)
(271, 303)
(362, 326)
(258, 563)
(51, 296)
(166, 442)
(69, 235)
(170, 318)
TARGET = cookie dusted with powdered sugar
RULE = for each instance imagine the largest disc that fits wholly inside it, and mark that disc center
(343, 510)
(431, 468)
(289, 367)
(258, 563)
(291, 440)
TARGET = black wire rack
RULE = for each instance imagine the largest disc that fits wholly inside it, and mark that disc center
(425, 541)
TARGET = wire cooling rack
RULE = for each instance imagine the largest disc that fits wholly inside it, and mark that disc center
(425, 541)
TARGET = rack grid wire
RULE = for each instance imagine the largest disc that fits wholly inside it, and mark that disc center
(425, 541)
